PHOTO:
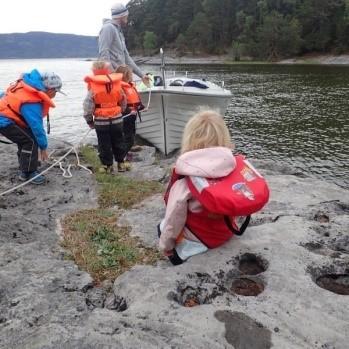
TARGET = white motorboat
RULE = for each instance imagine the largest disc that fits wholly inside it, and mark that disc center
(170, 108)
(172, 104)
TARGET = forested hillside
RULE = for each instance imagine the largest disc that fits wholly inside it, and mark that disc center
(47, 45)
(262, 29)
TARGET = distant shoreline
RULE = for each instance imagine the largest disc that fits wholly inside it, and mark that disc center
(310, 59)
(225, 59)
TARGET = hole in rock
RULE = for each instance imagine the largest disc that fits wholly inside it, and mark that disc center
(191, 296)
(336, 283)
(247, 287)
(321, 217)
(191, 302)
(251, 264)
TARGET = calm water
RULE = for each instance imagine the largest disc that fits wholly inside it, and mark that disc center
(295, 114)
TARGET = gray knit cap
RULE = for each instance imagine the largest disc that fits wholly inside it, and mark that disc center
(52, 81)
(118, 10)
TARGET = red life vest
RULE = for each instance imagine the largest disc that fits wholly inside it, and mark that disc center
(106, 92)
(241, 193)
(132, 96)
(18, 94)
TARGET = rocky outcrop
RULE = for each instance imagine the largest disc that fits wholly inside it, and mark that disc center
(283, 284)
(259, 291)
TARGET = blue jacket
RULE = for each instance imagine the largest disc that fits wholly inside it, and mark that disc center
(31, 112)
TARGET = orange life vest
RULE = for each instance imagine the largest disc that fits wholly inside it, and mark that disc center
(132, 96)
(106, 92)
(19, 93)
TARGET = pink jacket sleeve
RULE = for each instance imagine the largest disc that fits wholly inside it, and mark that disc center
(176, 215)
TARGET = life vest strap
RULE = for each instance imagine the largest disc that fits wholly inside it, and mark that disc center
(15, 86)
(243, 227)
(133, 105)
(48, 124)
(106, 121)
(106, 105)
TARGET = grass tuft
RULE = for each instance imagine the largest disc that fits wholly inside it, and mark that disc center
(118, 189)
(93, 238)
(102, 248)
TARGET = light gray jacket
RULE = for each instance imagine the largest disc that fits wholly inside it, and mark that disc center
(112, 47)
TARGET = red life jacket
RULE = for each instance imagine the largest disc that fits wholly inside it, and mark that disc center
(133, 100)
(18, 94)
(106, 92)
(241, 193)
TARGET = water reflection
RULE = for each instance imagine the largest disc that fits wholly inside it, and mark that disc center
(295, 114)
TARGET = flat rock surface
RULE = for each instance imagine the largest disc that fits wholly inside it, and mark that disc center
(257, 291)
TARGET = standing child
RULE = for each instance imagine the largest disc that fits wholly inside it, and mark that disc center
(103, 112)
(134, 107)
(209, 188)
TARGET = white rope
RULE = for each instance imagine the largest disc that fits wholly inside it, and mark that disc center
(149, 97)
(66, 172)
(78, 159)
(73, 148)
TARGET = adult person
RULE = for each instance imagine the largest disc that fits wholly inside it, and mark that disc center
(111, 42)
(22, 109)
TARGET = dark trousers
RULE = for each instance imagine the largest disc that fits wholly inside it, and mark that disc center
(129, 131)
(110, 143)
(27, 146)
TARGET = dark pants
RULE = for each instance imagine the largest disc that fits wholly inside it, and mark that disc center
(129, 131)
(110, 143)
(27, 146)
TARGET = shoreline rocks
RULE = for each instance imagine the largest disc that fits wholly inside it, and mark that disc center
(298, 241)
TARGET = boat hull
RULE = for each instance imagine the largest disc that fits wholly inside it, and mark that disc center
(163, 123)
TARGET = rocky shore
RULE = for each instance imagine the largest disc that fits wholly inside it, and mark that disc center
(283, 284)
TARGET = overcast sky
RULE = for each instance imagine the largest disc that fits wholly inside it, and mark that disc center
(57, 16)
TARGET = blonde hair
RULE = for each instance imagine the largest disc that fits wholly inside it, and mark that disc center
(100, 65)
(204, 130)
(126, 71)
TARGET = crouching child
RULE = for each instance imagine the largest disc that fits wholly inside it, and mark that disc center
(209, 190)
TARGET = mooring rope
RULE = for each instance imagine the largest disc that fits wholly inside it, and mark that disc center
(149, 97)
(57, 162)
(66, 171)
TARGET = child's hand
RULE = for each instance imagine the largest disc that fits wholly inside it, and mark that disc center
(43, 155)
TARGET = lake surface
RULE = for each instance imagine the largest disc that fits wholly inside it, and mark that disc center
(295, 114)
